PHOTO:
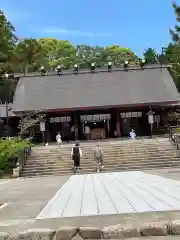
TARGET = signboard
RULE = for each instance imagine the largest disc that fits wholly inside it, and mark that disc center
(131, 114)
(95, 118)
(65, 119)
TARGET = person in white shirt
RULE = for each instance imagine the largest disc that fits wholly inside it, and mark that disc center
(132, 134)
(76, 154)
(58, 138)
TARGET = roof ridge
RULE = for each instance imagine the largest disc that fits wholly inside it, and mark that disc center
(98, 70)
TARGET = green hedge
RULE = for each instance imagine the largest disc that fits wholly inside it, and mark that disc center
(10, 151)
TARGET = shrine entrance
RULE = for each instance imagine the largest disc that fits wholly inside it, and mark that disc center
(98, 125)
(62, 125)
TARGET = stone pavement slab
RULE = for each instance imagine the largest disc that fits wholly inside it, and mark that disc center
(26, 197)
(171, 173)
(3, 181)
(113, 193)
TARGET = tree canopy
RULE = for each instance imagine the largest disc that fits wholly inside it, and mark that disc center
(7, 42)
(176, 32)
(28, 55)
(150, 55)
(172, 52)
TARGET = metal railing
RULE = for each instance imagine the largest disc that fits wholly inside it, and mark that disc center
(23, 156)
(175, 137)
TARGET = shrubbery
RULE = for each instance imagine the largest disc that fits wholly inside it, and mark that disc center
(10, 151)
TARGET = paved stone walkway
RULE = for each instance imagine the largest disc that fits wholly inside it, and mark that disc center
(3, 181)
(113, 193)
(26, 197)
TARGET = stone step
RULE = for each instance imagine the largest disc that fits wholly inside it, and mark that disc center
(107, 160)
(115, 142)
(46, 149)
(106, 156)
(118, 144)
(123, 162)
(107, 150)
(110, 158)
(118, 155)
(143, 146)
(92, 170)
(108, 168)
(93, 163)
(124, 152)
(112, 141)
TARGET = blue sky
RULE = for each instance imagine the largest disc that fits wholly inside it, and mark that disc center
(137, 24)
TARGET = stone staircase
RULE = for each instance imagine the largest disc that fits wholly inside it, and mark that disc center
(119, 155)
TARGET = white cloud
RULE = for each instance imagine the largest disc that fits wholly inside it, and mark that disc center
(75, 32)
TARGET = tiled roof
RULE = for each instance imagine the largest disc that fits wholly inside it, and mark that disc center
(68, 91)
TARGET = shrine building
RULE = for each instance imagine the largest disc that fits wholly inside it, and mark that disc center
(110, 103)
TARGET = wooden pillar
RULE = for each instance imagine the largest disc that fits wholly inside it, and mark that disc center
(118, 125)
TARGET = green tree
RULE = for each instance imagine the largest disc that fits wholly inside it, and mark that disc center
(58, 52)
(10, 152)
(119, 55)
(29, 120)
(87, 54)
(30, 55)
(150, 55)
(7, 43)
(172, 55)
(176, 32)
(49, 47)
(7, 88)
(7, 56)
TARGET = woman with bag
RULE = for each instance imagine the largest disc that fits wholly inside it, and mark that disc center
(76, 154)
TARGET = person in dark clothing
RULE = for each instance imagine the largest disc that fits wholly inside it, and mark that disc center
(76, 154)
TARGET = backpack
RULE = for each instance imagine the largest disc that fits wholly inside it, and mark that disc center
(98, 152)
(76, 151)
